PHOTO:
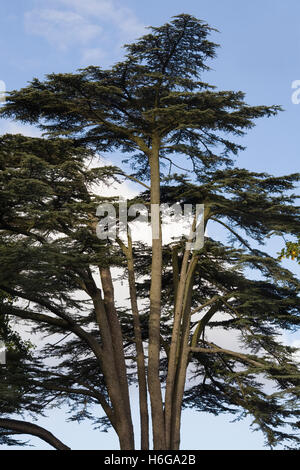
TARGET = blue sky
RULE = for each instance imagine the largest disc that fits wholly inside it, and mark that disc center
(259, 54)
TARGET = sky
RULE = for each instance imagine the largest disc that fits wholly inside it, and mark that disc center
(259, 54)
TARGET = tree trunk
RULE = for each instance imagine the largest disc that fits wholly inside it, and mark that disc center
(155, 305)
(142, 381)
(117, 337)
(173, 352)
(182, 367)
(123, 423)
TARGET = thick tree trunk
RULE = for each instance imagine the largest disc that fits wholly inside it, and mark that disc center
(114, 366)
(174, 349)
(155, 305)
(181, 333)
(175, 365)
(182, 368)
(123, 424)
(117, 337)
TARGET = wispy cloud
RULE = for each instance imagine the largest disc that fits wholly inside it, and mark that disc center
(108, 11)
(61, 28)
(92, 56)
(97, 28)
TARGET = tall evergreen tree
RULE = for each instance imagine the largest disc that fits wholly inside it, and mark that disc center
(155, 107)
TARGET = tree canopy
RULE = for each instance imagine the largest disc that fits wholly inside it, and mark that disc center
(177, 132)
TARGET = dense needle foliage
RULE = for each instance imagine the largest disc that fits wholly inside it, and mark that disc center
(175, 131)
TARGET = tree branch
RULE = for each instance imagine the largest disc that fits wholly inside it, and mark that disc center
(80, 391)
(211, 301)
(233, 232)
(217, 350)
(23, 427)
(66, 322)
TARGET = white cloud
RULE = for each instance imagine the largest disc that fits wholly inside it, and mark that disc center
(61, 28)
(100, 27)
(92, 56)
(108, 11)
(173, 228)
(11, 127)
(296, 344)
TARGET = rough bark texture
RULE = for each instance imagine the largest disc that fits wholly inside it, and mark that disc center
(117, 339)
(182, 363)
(155, 308)
(174, 348)
(110, 372)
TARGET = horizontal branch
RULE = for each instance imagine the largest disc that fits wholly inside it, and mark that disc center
(38, 317)
(23, 427)
(206, 304)
(133, 178)
(88, 393)
(217, 350)
(63, 320)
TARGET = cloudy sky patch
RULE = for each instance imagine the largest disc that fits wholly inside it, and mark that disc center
(71, 23)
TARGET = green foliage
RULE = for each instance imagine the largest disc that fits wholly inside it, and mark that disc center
(292, 250)
(50, 253)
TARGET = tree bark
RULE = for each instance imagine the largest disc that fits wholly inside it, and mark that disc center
(109, 368)
(155, 305)
(142, 380)
(182, 361)
(117, 339)
(179, 349)
(174, 348)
